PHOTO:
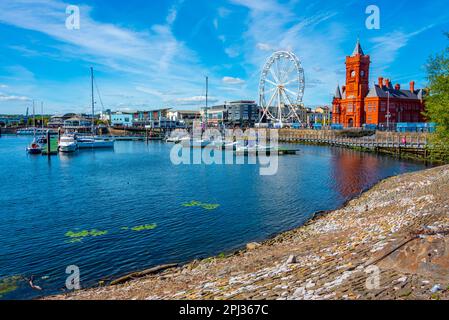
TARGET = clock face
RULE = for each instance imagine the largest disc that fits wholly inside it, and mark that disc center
(353, 74)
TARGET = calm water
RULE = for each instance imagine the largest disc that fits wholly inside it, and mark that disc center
(136, 184)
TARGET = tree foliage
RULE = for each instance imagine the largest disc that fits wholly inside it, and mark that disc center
(437, 101)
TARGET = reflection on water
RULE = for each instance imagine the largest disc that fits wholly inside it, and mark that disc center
(136, 185)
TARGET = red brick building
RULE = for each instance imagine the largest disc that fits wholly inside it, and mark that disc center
(357, 104)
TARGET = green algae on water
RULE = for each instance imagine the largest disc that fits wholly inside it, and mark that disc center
(144, 227)
(210, 206)
(80, 235)
(206, 206)
(9, 284)
(192, 203)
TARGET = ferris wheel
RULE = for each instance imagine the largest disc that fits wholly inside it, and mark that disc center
(281, 88)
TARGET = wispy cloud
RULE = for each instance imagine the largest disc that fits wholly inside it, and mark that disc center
(196, 100)
(6, 97)
(386, 48)
(264, 46)
(232, 80)
(154, 55)
(275, 26)
(232, 52)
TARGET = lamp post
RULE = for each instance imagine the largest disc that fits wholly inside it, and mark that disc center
(388, 112)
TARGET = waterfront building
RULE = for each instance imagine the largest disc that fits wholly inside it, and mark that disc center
(186, 117)
(356, 104)
(57, 121)
(323, 115)
(77, 123)
(139, 119)
(216, 115)
(241, 113)
(10, 121)
(121, 119)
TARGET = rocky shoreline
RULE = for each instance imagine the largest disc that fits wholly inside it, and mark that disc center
(392, 242)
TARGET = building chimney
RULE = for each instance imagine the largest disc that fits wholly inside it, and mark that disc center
(387, 83)
(397, 86)
(412, 86)
(381, 82)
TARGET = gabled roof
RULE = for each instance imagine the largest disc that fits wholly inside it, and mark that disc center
(358, 49)
(382, 92)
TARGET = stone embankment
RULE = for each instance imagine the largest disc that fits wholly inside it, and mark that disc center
(390, 243)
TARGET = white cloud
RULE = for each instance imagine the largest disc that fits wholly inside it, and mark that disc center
(3, 86)
(264, 46)
(150, 91)
(154, 56)
(232, 80)
(313, 38)
(232, 52)
(5, 97)
(173, 12)
(195, 100)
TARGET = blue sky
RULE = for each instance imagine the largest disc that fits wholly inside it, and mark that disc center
(150, 54)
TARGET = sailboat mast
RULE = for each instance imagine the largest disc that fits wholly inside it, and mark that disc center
(92, 93)
(207, 94)
(42, 114)
(34, 119)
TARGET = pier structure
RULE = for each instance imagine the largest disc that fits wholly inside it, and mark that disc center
(399, 144)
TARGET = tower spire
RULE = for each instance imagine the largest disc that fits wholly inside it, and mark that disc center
(358, 49)
(337, 92)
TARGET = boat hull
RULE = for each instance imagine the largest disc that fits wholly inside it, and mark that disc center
(91, 142)
(68, 148)
(34, 150)
(95, 144)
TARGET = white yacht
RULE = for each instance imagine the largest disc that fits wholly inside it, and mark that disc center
(68, 143)
(194, 143)
(91, 142)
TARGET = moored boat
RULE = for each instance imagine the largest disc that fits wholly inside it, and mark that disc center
(67, 143)
(89, 142)
(34, 148)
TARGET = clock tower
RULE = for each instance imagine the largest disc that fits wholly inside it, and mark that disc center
(357, 87)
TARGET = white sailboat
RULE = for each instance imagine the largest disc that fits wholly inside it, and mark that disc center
(199, 143)
(92, 141)
(34, 147)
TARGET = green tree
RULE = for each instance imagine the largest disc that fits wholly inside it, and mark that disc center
(437, 101)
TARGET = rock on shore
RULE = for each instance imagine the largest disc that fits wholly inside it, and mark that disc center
(390, 243)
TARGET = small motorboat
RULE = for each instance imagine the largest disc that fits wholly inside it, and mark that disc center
(34, 148)
(67, 143)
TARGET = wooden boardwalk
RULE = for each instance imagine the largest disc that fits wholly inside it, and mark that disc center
(393, 144)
